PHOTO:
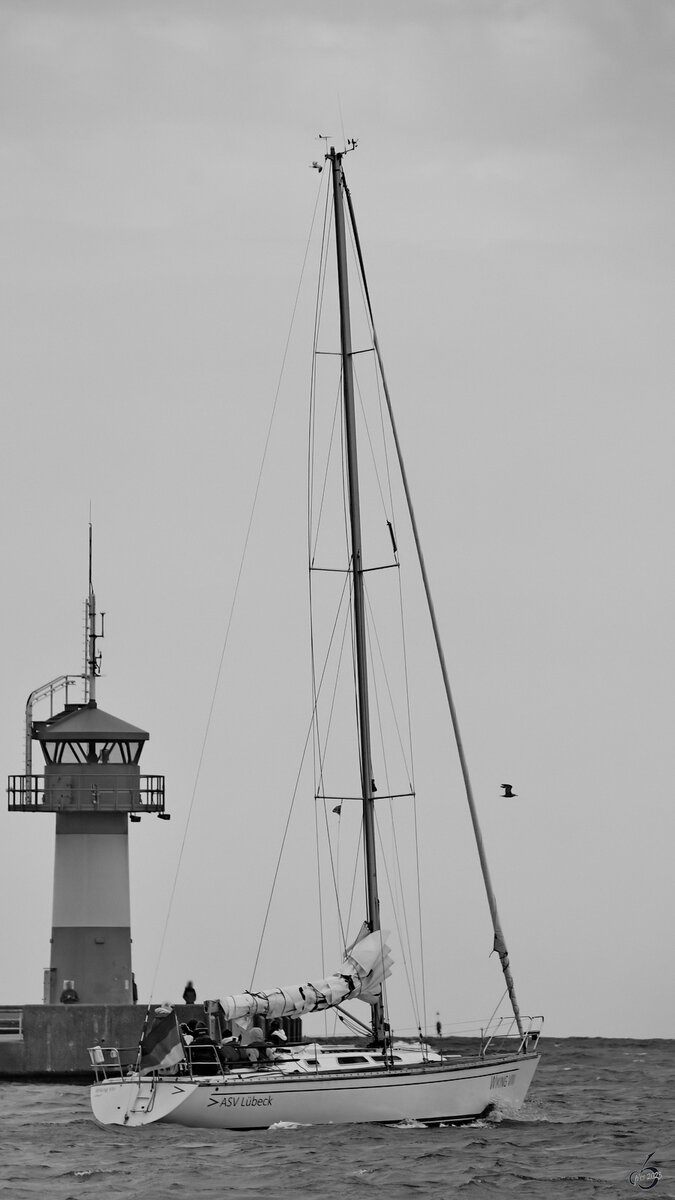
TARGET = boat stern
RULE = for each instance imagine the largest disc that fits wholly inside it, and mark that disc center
(137, 1100)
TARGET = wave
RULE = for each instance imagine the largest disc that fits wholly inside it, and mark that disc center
(283, 1125)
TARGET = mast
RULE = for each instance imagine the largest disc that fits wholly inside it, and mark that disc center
(367, 783)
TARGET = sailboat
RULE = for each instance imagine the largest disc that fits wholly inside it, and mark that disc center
(385, 1078)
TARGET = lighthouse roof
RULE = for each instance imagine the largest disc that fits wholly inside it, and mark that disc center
(87, 722)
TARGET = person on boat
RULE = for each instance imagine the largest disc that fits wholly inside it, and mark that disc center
(189, 994)
(229, 1049)
(69, 995)
(256, 1048)
(204, 1054)
(275, 1033)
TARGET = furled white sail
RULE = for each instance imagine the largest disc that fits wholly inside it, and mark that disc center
(366, 965)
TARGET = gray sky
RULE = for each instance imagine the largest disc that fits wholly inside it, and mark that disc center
(514, 190)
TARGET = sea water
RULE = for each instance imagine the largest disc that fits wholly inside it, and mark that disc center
(596, 1110)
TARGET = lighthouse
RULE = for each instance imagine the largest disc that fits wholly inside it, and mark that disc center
(92, 781)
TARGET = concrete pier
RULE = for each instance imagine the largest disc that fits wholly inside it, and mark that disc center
(50, 1041)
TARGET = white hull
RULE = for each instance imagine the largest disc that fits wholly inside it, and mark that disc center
(438, 1092)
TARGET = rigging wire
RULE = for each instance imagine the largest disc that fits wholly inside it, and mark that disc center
(319, 787)
(390, 511)
(386, 408)
(281, 850)
(308, 736)
(397, 893)
(373, 634)
(320, 895)
(357, 859)
(372, 354)
(311, 442)
(314, 528)
(398, 904)
(499, 944)
(316, 531)
(321, 285)
(321, 750)
(312, 543)
(313, 539)
(221, 660)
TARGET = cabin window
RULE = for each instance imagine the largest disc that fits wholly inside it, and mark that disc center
(347, 1060)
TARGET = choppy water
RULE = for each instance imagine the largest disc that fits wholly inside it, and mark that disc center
(597, 1108)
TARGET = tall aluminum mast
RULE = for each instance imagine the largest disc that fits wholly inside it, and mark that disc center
(367, 784)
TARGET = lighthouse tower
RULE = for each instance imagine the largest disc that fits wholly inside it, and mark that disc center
(92, 781)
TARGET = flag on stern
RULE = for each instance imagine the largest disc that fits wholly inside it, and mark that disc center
(161, 1046)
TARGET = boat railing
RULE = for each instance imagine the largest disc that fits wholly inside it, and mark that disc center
(505, 1029)
(111, 1062)
(203, 1060)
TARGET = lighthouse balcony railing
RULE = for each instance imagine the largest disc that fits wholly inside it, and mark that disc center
(35, 793)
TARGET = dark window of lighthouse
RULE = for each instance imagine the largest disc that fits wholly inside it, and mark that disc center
(92, 752)
(71, 752)
(68, 752)
(120, 752)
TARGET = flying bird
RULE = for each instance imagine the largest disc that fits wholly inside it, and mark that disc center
(508, 793)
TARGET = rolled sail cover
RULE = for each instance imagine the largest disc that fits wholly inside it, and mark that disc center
(366, 965)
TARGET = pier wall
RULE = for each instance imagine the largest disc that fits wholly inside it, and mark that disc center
(50, 1041)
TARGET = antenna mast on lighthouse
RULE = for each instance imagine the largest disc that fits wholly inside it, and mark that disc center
(92, 659)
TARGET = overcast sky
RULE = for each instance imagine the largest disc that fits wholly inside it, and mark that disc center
(514, 187)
